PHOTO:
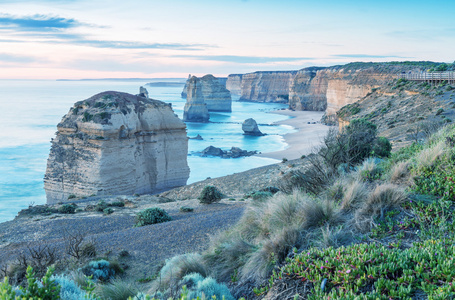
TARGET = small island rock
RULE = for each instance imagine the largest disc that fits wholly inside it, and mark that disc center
(250, 127)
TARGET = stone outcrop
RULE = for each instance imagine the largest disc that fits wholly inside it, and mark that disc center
(215, 94)
(116, 143)
(234, 84)
(235, 152)
(214, 91)
(185, 87)
(143, 92)
(195, 109)
(250, 127)
(266, 86)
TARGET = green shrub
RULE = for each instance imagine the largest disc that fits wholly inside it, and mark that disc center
(108, 211)
(186, 209)
(200, 287)
(382, 147)
(117, 204)
(152, 216)
(67, 208)
(45, 289)
(116, 290)
(72, 196)
(209, 195)
(259, 195)
(101, 206)
(439, 111)
(99, 270)
(284, 160)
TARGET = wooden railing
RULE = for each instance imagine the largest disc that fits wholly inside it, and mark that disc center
(431, 77)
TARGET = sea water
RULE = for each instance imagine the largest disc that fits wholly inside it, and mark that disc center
(31, 110)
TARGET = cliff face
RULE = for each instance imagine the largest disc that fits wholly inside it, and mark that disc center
(215, 94)
(116, 143)
(267, 86)
(308, 90)
(195, 109)
(234, 84)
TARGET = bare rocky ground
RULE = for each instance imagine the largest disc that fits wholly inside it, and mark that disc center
(148, 246)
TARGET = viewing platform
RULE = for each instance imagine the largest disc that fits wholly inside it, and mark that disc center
(430, 77)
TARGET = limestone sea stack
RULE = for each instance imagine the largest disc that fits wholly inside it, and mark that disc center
(250, 127)
(215, 94)
(195, 109)
(116, 143)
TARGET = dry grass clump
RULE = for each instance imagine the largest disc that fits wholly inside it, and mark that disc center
(383, 198)
(354, 195)
(400, 172)
(428, 156)
(176, 268)
(116, 290)
(228, 253)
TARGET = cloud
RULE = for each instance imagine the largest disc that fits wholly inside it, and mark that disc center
(243, 59)
(37, 23)
(365, 56)
(13, 58)
(138, 45)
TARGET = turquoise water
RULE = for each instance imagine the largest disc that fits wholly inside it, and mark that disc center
(32, 109)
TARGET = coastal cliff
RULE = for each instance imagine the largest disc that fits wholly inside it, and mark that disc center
(234, 84)
(215, 94)
(317, 88)
(266, 86)
(195, 109)
(116, 143)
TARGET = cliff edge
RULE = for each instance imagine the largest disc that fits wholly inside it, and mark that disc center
(116, 143)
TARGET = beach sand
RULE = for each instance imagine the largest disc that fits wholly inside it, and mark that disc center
(305, 139)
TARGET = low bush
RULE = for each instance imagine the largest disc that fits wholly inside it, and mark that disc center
(67, 208)
(210, 194)
(99, 270)
(178, 267)
(116, 290)
(152, 215)
(70, 290)
(186, 209)
(199, 287)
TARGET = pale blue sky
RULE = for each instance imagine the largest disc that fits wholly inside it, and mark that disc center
(147, 38)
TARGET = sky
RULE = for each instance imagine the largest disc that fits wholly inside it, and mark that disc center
(75, 39)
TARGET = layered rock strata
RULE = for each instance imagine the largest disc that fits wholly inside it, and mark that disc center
(116, 143)
(234, 84)
(215, 94)
(267, 86)
(195, 109)
(250, 127)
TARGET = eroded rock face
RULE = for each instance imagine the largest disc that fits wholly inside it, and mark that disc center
(116, 143)
(234, 83)
(195, 109)
(215, 94)
(250, 127)
(267, 86)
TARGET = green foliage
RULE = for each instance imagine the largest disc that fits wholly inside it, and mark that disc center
(46, 289)
(259, 195)
(439, 111)
(67, 208)
(99, 270)
(108, 211)
(373, 271)
(382, 147)
(284, 160)
(72, 196)
(87, 117)
(101, 206)
(210, 194)
(186, 209)
(117, 204)
(151, 215)
(199, 287)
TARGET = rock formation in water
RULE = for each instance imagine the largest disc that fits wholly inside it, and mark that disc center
(195, 109)
(143, 92)
(214, 93)
(250, 127)
(185, 87)
(116, 143)
(235, 152)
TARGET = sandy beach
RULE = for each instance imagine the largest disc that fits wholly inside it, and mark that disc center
(306, 137)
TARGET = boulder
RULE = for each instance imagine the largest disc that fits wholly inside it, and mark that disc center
(116, 143)
(250, 127)
(235, 152)
(143, 92)
(212, 151)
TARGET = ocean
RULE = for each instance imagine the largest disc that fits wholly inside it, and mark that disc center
(31, 111)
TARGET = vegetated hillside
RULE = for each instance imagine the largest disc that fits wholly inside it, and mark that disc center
(404, 111)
